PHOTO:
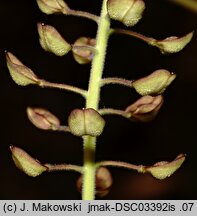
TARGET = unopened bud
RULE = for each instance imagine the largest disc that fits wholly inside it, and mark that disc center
(103, 182)
(173, 44)
(52, 41)
(21, 74)
(53, 6)
(155, 83)
(164, 169)
(146, 108)
(129, 12)
(86, 122)
(81, 54)
(26, 163)
(42, 118)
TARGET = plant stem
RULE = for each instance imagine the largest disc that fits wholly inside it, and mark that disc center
(139, 168)
(115, 80)
(61, 128)
(110, 111)
(44, 83)
(149, 40)
(61, 167)
(92, 101)
(83, 14)
(88, 187)
(98, 60)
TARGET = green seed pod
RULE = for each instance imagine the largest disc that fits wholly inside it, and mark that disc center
(52, 41)
(146, 108)
(85, 122)
(129, 12)
(21, 74)
(164, 169)
(103, 182)
(81, 54)
(42, 118)
(155, 83)
(53, 6)
(173, 44)
(26, 163)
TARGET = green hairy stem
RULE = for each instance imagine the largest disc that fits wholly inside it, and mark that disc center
(92, 101)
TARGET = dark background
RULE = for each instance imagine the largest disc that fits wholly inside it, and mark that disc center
(171, 133)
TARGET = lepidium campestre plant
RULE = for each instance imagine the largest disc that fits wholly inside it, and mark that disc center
(88, 123)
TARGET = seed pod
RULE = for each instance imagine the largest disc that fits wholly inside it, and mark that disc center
(42, 118)
(21, 74)
(81, 54)
(103, 182)
(26, 163)
(146, 108)
(173, 44)
(129, 12)
(53, 6)
(155, 83)
(164, 169)
(86, 122)
(52, 41)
